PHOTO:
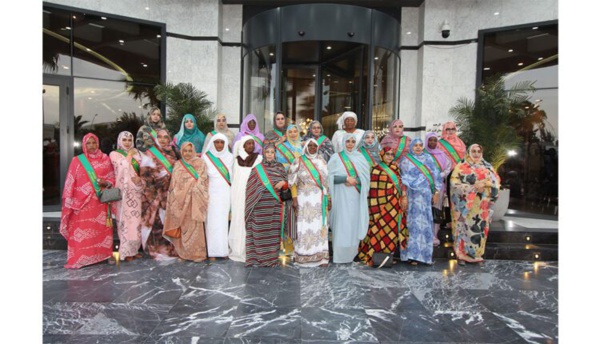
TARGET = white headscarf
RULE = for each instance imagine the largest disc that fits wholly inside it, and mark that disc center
(238, 149)
(305, 149)
(342, 118)
(224, 154)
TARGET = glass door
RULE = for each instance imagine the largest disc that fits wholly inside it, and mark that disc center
(298, 101)
(56, 139)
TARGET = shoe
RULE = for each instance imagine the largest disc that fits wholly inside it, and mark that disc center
(461, 262)
(111, 261)
(414, 263)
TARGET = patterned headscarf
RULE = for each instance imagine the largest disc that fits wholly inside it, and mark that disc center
(310, 135)
(373, 148)
(384, 150)
(453, 138)
(122, 135)
(193, 135)
(153, 125)
(188, 143)
(413, 143)
(296, 142)
(168, 146)
(269, 145)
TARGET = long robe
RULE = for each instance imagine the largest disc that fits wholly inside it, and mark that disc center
(187, 203)
(237, 227)
(311, 247)
(349, 210)
(154, 202)
(470, 209)
(384, 214)
(83, 220)
(419, 218)
(264, 216)
(128, 211)
(217, 218)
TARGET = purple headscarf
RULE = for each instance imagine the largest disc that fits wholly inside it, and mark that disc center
(439, 155)
(244, 130)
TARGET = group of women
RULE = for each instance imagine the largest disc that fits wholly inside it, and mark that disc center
(252, 197)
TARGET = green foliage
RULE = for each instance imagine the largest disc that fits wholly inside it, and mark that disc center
(127, 122)
(488, 120)
(182, 99)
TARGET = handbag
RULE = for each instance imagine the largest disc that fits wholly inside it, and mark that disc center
(285, 195)
(110, 195)
(173, 233)
(383, 260)
(438, 215)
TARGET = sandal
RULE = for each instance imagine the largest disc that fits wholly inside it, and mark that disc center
(414, 263)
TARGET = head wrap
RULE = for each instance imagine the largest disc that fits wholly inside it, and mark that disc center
(305, 149)
(151, 124)
(187, 143)
(98, 153)
(295, 142)
(193, 135)
(342, 119)
(244, 126)
(283, 128)
(238, 149)
(310, 135)
(222, 131)
(211, 145)
(166, 147)
(120, 139)
(391, 139)
(453, 138)
(413, 143)
(384, 150)
(345, 138)
(373, 148)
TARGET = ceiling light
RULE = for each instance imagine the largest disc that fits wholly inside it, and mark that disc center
(510, 50)
(74, 17)
(271, 54)
(535, 28)
(88, 49)
(103, 18)
(376, 58)
(158, 36)
(486, 68)
(511, 153)
(147, 8)
(145, 65)
(65, 67)
(329, 47)
(496, 13)
(540, 58)
(314, 75)
(67, 28)
(408, 33)
(328, 74)
(520, 63)
(226, 29)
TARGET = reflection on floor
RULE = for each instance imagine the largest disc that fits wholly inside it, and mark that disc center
(144, 301)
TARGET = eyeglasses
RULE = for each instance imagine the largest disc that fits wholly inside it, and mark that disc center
(390, 154)
(450, 129)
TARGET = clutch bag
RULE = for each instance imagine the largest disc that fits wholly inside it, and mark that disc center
(110, 195)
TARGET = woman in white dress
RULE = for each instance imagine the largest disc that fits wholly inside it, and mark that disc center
(219, 164)
(244, 160)
(309, 174)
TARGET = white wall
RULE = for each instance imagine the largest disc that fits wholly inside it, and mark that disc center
(446, 73)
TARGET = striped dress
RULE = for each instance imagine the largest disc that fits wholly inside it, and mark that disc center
(263, 217)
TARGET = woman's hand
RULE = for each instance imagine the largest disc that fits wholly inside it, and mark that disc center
(404, 203)
(136, 180)
(480, 186)
(279, 185)
(103, 183)
(132, 152)
(351, 181)
(436, 197)
(295, 203)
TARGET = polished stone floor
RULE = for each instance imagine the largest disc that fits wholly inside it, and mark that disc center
(145, 301)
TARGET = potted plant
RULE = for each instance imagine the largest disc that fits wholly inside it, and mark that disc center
(489, 121)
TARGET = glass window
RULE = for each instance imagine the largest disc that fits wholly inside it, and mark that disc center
(56, 54)
(530, 53)
(385, 89)
(259, 85)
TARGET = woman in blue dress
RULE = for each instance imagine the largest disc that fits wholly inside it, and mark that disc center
(423, 182)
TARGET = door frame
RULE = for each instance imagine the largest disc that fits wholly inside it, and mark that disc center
(66, 132)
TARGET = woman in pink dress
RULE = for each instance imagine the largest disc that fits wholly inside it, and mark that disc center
(126, 163)
(85, 222)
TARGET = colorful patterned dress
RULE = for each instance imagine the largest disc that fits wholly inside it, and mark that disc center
(470, 209)
(384, 212)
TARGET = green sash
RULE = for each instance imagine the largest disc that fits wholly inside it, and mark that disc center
(437, 163)
(259, 141)
(264, 178)
(350, 169)
(94, 180)
(220, 167)
(448, 148)
(401, 147)
(162, 159)
(134, 163)
(289, 156)
(396, 182)
(424, 169)
(320, 140)
(279, 133)
(213, 133)
(190, 169)
(153, 133)
(316, 176)
(367, 156)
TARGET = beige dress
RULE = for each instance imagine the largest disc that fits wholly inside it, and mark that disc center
(187, 204)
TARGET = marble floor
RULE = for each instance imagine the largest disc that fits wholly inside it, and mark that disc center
(145, 301)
